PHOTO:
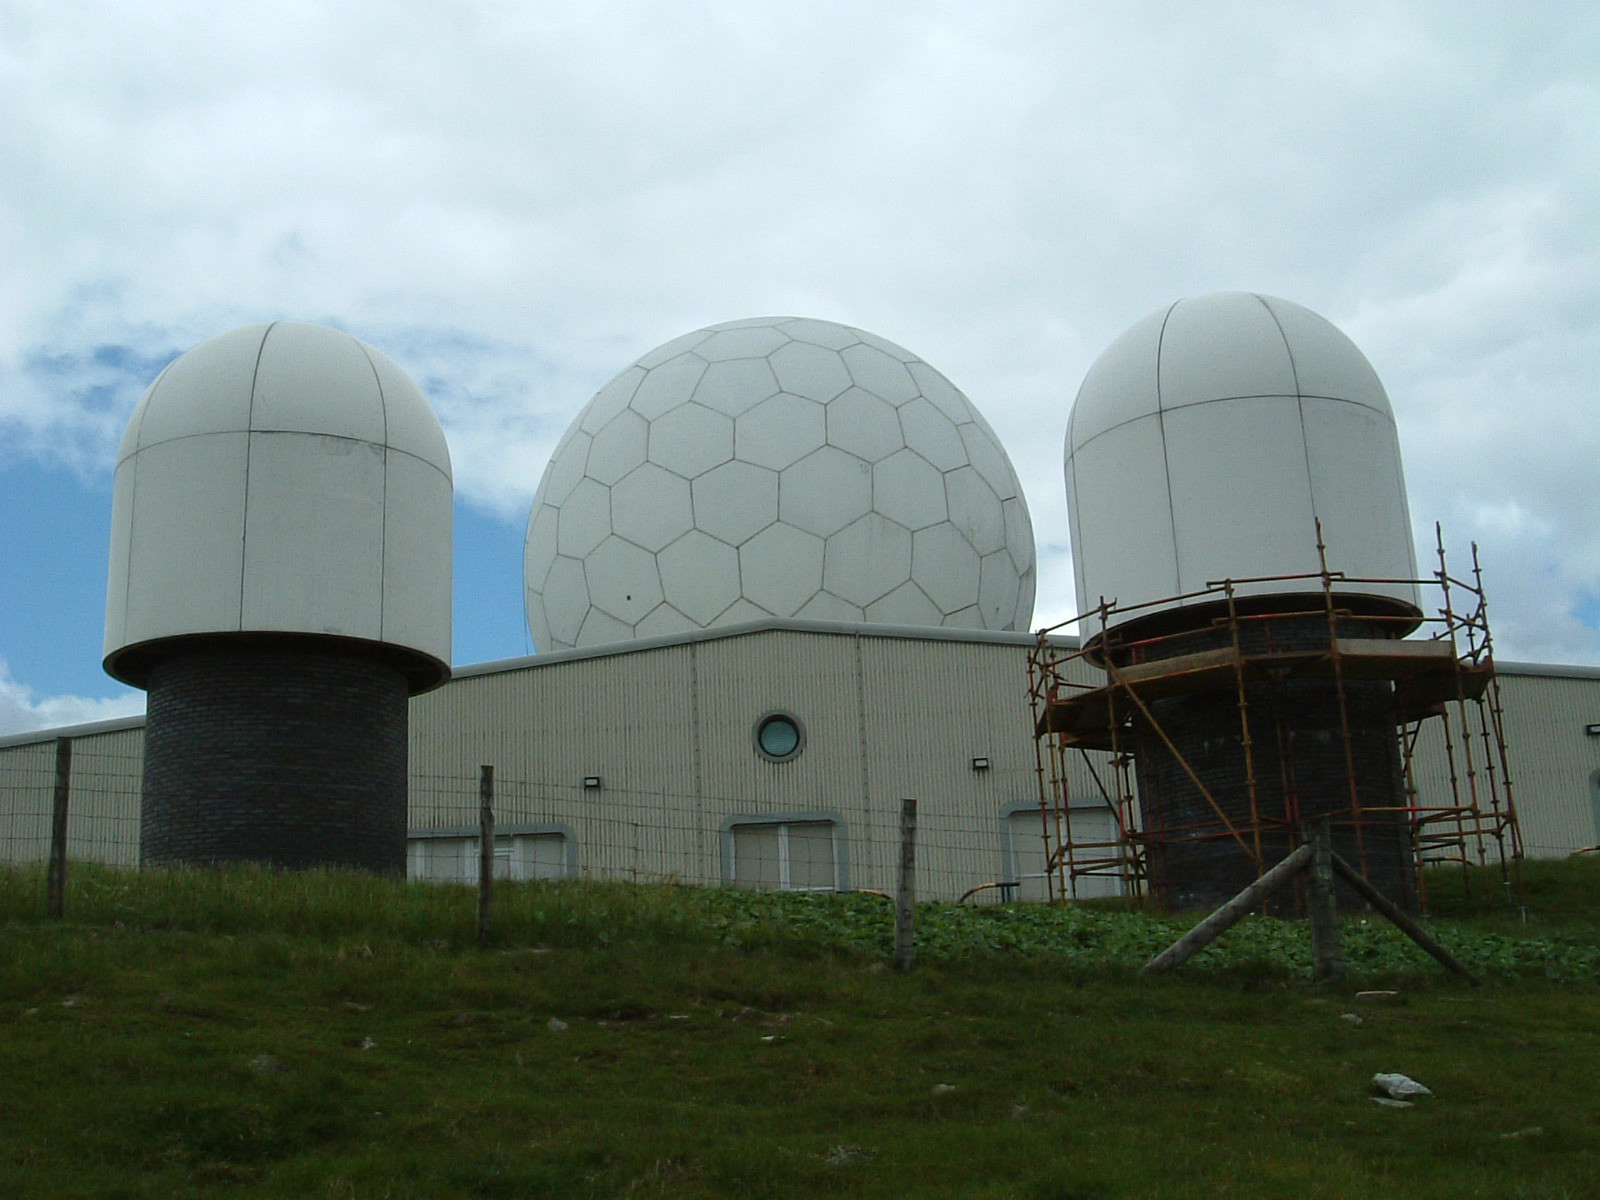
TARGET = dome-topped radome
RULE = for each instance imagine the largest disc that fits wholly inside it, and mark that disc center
(282, 478)
(1209, 440)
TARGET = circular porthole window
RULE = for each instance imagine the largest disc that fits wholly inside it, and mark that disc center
(779, 737)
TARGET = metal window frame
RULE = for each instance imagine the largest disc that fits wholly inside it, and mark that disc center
(841, 845)
(568, 836)
(1008, 849)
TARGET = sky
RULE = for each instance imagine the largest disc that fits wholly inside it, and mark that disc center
(516, 200)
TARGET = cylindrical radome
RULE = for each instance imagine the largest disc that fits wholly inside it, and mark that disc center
(1208, 441)
(280, 583)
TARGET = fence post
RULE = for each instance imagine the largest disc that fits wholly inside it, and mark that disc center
(905, 901)
(56, 877)
(485, 852)
(1327, 956)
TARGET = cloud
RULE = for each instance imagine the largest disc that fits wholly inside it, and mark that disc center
(516, 201)
(65, 399)
(23, 711)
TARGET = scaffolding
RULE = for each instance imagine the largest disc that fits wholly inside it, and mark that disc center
(1439, 672)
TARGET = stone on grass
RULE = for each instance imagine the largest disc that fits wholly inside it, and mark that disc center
(1399, 1087)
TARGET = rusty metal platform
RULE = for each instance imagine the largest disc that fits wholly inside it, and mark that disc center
(1426, 675)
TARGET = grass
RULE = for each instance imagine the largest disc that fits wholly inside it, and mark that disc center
(190, 1034)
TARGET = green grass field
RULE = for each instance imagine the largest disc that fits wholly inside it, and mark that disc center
(239, 1034)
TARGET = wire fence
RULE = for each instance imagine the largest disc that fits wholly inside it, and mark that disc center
(548, 830)
(554, 830)
(103, 808)
(561, 830)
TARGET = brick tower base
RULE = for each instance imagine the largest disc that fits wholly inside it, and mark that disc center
(278, 751)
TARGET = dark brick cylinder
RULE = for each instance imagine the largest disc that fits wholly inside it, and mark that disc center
(274, 751)
(1301, 770)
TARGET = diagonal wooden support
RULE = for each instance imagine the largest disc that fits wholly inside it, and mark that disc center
(1116, 676)
(1317, 857)
(1407, 926)
(1219, 922)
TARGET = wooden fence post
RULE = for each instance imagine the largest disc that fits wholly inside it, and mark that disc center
(1327, 955)
(485, 852)
(905, 900)
(56, 877)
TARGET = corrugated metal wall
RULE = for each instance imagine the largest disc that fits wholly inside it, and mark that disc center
(669, 731)
(103, 809)
(1552, 760)
(627, 719)
(27, 782)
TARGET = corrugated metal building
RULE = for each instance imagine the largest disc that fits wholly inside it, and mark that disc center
(644, 761)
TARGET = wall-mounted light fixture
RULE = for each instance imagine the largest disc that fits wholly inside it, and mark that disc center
(591, 782)
(1592, 730)
(980, 764)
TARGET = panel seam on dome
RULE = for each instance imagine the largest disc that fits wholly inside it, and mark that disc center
(416, 458)
(1377, 412)
(1386, 416)
(1166, 464)
(1300, 413)
(383, 532)
(338, 437)
(138, 434)
(249, 446)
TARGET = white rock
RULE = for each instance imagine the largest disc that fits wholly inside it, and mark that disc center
(1399, 1087)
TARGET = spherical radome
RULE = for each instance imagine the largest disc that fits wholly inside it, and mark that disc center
(776, 467)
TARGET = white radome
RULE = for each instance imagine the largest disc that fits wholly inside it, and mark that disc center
(282, 478)
(1212, 438)
(776, 467)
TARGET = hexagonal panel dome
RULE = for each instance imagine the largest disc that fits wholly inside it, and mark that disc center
(779, 466)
